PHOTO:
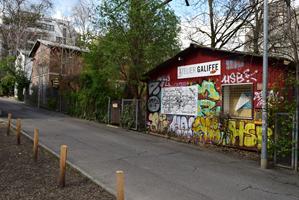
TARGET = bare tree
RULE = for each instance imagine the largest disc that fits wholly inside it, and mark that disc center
(20, 22)
(81, 15)
(220, 23)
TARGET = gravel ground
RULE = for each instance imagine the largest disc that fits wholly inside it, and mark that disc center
(22, 179)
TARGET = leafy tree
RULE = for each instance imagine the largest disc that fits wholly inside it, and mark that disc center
(134, 36)
(7, 85)
(20, 76)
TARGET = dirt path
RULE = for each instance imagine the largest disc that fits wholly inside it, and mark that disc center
(22, 179)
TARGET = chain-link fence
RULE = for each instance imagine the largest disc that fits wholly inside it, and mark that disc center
(138, 111)
(284, 140)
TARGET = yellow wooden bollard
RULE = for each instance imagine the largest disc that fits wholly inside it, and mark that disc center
(8, 123)
(62, 166)
(120, 185)
(19, 131)
(35, 145)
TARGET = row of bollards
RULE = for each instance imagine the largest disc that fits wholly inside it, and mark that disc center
(119, 174)
(35, 148)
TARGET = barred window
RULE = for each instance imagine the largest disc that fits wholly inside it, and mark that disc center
(237, 100)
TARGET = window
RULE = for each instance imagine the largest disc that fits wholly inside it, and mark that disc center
(64, 40)
(237, 100)
(58, 39)
(64, 32)
(48, 27)
(66, 56)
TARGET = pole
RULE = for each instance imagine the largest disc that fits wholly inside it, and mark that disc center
(19, 132)
(8, 123)
(120, 185)
(62, 166)
(264, 156)
(108, 110)
(40, 64)
(35, 145)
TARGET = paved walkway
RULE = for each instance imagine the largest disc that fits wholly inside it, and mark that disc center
(154, 168)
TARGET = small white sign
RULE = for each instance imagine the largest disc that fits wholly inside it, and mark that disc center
(198, 70)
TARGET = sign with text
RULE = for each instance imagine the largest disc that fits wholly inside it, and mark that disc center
(199, 70)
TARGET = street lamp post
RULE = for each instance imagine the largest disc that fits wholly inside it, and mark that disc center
(264, 154)
(40, 64)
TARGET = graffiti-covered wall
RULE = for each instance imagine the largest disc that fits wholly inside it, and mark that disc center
(174, 108)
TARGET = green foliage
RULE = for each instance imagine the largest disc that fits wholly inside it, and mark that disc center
(8, 64)
(281, 102)
(7, 84)
(134, 37)
(52, 103)
(127, 117)
(95, 89)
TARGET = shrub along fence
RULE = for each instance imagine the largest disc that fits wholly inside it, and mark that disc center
(133, 111)
(133, 114)
(286, 141)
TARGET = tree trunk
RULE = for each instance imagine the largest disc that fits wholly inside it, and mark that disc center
(213, 34)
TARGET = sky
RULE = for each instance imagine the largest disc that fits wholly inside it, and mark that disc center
(64, 6)
(179, 6)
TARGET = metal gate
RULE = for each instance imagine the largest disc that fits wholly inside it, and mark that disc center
(139, 112)
(283, 133)
(115, 112)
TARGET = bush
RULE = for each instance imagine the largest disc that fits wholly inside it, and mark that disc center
(52, 103)
(127, 118)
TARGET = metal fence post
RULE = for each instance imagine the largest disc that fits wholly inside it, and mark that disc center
(122, 106)
(296, 139)
(109, 99)
(60, 103)
(275, 135)
(137, 115)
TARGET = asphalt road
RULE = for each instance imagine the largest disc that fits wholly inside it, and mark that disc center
(154, 168)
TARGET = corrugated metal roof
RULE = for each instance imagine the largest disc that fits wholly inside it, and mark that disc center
(194, 46)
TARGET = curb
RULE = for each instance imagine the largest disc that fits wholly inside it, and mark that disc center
(70, 164)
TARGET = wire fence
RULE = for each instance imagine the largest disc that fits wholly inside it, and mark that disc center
(138, 110)
(285, 149)
(99, 110)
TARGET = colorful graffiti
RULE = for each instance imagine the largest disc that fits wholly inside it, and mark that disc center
(237, 63)
(244, 133)
(181, 126)
(164, 81)
(271, 96)
(240, 133)
(180, 84)
(153, 101)
(207, 128)
(207, 106)
(159, 122)
(238, 77)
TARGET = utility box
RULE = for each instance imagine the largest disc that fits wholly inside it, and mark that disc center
(115, 111)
